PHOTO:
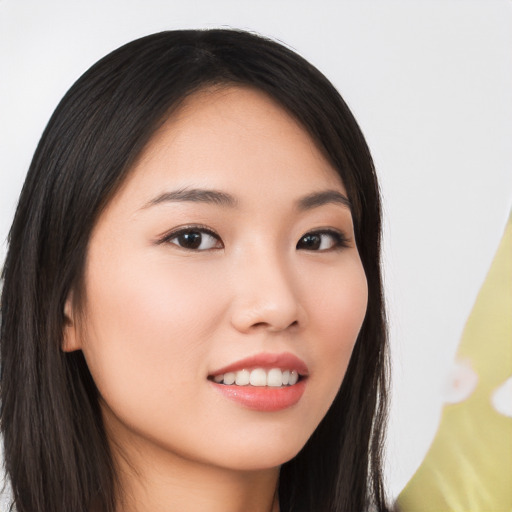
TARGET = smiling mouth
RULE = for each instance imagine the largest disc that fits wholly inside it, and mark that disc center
(259, 377)
(265, 382)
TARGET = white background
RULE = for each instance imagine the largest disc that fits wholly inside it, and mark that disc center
(430, 83)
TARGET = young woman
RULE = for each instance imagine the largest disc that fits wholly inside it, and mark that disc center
(192, 312)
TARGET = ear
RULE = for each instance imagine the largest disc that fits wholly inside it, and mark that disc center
(70, 335)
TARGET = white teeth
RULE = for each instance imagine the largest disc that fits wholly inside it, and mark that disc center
(229, 378)
(242, 378)
(259, 377)
(275, 378)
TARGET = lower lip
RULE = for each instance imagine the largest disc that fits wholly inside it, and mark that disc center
(266, 399)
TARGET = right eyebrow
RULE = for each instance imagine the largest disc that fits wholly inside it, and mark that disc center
(197, 195)
(321, 198)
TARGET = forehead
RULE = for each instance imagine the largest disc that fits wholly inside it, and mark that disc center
(237, 138)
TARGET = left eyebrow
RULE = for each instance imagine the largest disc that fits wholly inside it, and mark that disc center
(324, 197)
(194, 195)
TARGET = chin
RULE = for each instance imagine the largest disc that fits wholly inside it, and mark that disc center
(262, 453)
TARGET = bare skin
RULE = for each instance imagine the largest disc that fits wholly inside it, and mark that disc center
(195, 487)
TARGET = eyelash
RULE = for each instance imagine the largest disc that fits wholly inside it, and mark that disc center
(339, 240)
(188, 230)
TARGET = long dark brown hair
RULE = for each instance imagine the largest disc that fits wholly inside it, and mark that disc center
(57, 456)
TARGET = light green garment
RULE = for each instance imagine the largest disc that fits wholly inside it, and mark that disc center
(469, 465)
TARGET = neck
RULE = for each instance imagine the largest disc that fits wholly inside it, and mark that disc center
(160, 482)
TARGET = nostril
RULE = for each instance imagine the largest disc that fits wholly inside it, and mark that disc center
(274, 327)
(262, 313)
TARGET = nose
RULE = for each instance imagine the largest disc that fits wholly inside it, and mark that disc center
(266, 296)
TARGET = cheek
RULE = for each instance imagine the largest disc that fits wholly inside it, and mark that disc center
(336, 315)
(344, 312)
(148, 323)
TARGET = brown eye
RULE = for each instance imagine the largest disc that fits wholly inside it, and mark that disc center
(310, 242)
(321, 241)
(195, 240)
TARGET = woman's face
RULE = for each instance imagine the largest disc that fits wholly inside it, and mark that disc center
(228, 254)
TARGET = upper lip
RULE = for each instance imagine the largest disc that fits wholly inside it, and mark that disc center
(283, 361)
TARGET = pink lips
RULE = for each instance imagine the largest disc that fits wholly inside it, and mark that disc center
(265, 399)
